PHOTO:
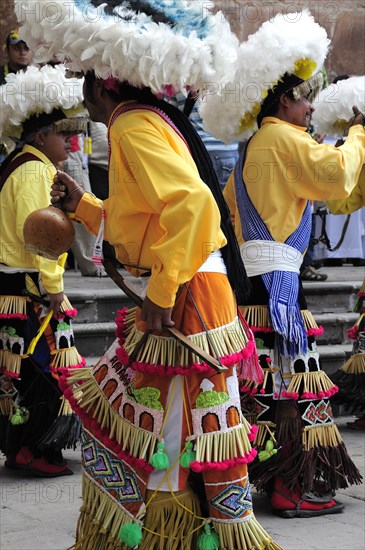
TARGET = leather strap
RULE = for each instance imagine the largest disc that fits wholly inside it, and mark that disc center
(13, 165)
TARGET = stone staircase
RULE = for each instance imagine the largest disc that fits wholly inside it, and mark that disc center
(330, 302)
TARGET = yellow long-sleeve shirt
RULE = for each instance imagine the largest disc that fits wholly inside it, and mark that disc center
(354, 202)
(159, 215)
(285, 167)
(27, 188)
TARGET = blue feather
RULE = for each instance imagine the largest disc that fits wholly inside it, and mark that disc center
(185, 20)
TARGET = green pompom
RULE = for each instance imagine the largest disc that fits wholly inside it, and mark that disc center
(131, 534)
(160, 460)
(268, 452)
(209, 540)
(188, 455)
(21, 416)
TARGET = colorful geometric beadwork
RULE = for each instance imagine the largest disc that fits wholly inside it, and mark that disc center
(318, 413)
(110, 472)
(234, 501)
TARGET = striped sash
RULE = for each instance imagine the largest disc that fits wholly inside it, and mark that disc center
(282, 286)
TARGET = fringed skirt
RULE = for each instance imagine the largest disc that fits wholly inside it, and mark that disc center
(350, 378)
(33, 410)
(304, 448)
(165, 445)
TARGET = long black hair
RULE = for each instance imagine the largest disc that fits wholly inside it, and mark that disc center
(231, 253)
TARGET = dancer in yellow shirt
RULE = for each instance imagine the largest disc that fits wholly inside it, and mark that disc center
(36, 424)
(302, 458)
(154, 413)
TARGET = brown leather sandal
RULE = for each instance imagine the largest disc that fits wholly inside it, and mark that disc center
(310, 273)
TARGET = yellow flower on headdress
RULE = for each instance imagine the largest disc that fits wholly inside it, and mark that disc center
(14, 34)
(304, 68)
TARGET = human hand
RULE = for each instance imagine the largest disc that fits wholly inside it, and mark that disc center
(339, 142)
(65, 190)
(358, 117)
(319, 138)
(55, 301)
(156, 317)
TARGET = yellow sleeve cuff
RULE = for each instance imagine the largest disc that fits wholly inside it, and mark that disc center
(89, 212)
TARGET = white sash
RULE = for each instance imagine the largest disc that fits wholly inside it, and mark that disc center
(262, 257)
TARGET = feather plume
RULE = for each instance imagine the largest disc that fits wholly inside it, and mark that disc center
(36, 90)
(196, 49)
(334, 105)
(292, 43)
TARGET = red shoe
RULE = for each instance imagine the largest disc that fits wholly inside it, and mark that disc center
(39, 466)
(292, 505)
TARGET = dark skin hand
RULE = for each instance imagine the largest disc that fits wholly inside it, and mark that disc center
(64, 185)
(156, 317)
(358, 118)
(55, 301)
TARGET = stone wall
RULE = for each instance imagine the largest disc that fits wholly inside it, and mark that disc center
(7, 22)
(344, 21)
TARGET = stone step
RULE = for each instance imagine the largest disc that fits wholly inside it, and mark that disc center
(97, 306)
(329, 297)
(333, 357)
(335, 327)
(93, 339)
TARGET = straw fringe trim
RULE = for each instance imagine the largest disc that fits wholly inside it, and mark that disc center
(257, 317)
(322, 436)
(355, 364)
(245, 533)
(172, 521)
(100, 516)
(252, 388)
(67, 308)
(266, 431)
(310, 385)
(166, 357)
(67, 358)
(7, 406)
(115, 432)
(65, 407)
(259, 321)
(13, 362)
(13, 307)
(223, 450)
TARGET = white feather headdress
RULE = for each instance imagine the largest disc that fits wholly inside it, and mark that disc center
(36, 91)
(197, 48)
(334, 105)
(289, 43)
